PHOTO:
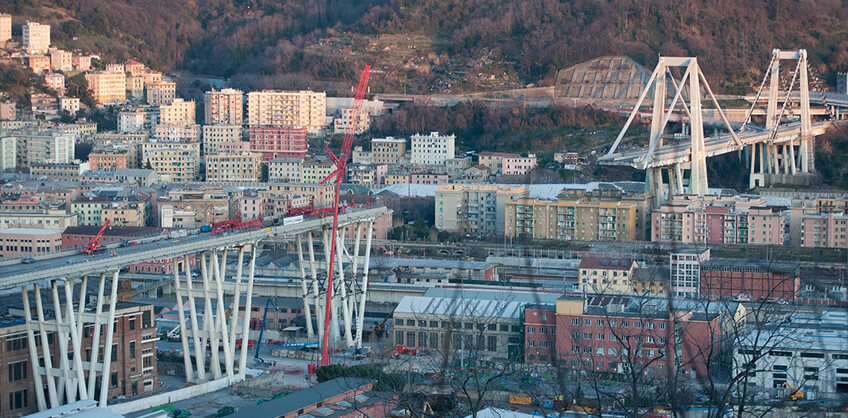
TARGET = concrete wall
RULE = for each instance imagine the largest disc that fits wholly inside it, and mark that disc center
(173, 396)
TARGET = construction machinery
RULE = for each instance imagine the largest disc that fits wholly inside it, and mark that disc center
(338, 175)
(94, 246)
(794, 394)
(268, 304)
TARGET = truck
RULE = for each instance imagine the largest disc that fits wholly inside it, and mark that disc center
(206, 228)
(520, 400)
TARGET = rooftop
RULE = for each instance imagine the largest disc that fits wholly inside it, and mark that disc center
(304, 398)
(605, 263)
(29, 231)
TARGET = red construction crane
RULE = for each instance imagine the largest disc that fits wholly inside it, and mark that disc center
(338, 175)
(94, 245)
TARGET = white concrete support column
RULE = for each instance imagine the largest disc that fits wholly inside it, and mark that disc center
(208, 318)
(105, 381)
(199, 343)
(246, 323)
(793, 167)
(221, 315)
(343, 287)
(95, 339)
(774, 89)
(305, 293)
(352, 305)
(807, 143)
(234, 315)
(66, 379)
(76, 340)
(33, 350)
(183, 331)
(655, 185)
(316, 294)
(698, 175)
(364, 288)
(45, 349)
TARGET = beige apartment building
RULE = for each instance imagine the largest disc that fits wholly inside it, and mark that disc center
(37, 218)
(606, 275)
(161, 93)
(69, 104)
(315, 172)
(245, 167)
(194, 207)
(36, 38)
(475, 209)
(81, 62)
(321, 195)
(5, 27)
(344, 122)
(181, 132)
(141, 118)
(581, 219)
(825, 230)
(223, 107)
(431, 149)
(135, 86)
(285, 170)
(178, 111)
(304, 109)
(56, 171)
(133, 67)
(388, 150)
(107, 87)
(174, 161)
(27, 147)
(61, 60)
(214, 135)
(38, 63)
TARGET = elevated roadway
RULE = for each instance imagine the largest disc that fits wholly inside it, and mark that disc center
(680, 153)
(78, 265)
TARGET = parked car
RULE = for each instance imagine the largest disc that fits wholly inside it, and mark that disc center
(27, 260)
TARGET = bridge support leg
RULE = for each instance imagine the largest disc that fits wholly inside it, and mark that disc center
(189, 372)
(221, 314)
(316, 295)
(33, 351)
(364, 287)
(303, 288)
(106, 377)
(234, 315)
(199, 342)
(245, 334)
(698, 173)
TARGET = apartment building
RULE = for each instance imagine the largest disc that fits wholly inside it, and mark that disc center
(90, 209)
(428, 177)
(38, 63)
(134, 67)
(135, 86)
(194, 207)
(494, 160)
(138, 119)
(61, 60)
(8, 111)
(300, 109)
(432, 149)
(5, 27)
(179, 132)
(134, 369)
(161, 93)
(717, 220)
(174, 161)
(25, 147)
(29, 242)
(518, 166)
(569, 219)
(824, 230)
(81, 62)
(223, 107)
(609, 334)
(321, 195)
(214, 135)
(71, 105)
(57, 171)
(178, 111)
(366, 174)
(606, 275)
(278, 142)
(285, 170)
(234, 168)
(37, 218)
(477, 209)
(36, 38)
(56, 82)
(388, 150)
(107, 87)
(108, 161)
(455, 167)
(685, 271)
(315, 172)
(344, 123)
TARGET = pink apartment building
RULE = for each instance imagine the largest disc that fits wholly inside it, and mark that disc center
(826, 229)
(27, 242)
(517, 165)
(717, 220)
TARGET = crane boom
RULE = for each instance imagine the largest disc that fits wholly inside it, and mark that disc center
(94, 245)
(338, 175)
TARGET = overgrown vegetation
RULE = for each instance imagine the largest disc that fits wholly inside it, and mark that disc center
(385, 381)
(257, 39)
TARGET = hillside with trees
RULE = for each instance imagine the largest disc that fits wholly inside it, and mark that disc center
(312, 40)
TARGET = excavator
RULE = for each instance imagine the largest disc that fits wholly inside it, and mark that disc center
(94, 246)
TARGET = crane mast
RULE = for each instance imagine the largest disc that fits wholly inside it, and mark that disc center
(338, 175)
